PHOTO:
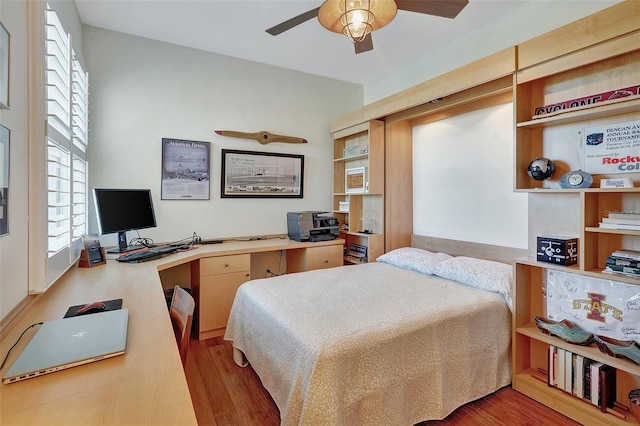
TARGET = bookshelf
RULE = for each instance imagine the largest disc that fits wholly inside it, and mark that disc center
(361, 212)
(609, 63)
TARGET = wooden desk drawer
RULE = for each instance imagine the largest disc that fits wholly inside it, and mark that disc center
(224, 264)
(324, 257)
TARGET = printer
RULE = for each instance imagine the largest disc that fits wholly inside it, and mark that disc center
(311, 226)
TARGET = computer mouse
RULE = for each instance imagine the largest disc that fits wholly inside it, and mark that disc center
(91, 308)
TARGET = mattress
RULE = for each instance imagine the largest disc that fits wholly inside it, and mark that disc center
(370, 344)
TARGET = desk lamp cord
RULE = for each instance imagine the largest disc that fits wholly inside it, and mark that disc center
(14, 345)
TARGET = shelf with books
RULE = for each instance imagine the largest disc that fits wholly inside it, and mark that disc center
(530, 383)
(374, 244)
(358, 185)
(530, 350)
(565, 84)
(600, 242)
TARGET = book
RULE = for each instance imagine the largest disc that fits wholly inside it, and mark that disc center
(623, 226)
(551, 374)
(623, 261)
(568, 372)
(624, 215)
(607, 270)
(560, 368)
(578, 377)
(622, 268)
(607, 387)
(586, 379)
(594, 374)
(624, 221)
(628, 254)
(627, 271)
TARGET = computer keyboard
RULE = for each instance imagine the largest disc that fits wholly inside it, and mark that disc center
(146, 255)
(164, 249)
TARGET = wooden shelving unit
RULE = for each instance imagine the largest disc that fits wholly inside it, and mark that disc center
(360, 146)
(609, 65)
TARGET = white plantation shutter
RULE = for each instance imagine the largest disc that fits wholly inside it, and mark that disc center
(66, 85)
(80, 132)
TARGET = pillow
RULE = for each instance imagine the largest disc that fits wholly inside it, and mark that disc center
(479, 273)
(412, 258)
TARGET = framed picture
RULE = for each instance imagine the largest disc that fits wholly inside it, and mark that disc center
(4, 67)
(185, 169)
(355, 180)
(4, 180)
(249, 174)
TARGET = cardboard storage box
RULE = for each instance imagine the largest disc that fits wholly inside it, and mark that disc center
(558, 250)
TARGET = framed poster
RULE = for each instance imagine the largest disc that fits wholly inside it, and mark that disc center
(250, 174)
(4, 180)
(185, 169)
(4, 67)
(612, 148)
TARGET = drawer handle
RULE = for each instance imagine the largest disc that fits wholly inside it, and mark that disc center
(326, 261)
(226, 265)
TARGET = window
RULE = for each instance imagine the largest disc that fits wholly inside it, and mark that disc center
(66, 86)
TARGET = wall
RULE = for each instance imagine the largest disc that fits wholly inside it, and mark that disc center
(14, 271)
(463, 179)
(532, 19)
(142, 91)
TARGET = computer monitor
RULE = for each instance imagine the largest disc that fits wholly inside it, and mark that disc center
(122, 210)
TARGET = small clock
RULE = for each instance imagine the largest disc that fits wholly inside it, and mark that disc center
(576, 179)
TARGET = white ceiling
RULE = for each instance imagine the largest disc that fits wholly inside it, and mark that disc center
(237, 28)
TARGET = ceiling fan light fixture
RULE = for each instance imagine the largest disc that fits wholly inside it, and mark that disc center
(356, 18)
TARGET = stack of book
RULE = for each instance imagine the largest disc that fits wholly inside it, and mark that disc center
(582, 377)
(629, 221)
(624, 262)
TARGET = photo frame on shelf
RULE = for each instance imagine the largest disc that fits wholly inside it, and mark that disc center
(4, 180)
(185, 169)
(355, 180)
(93, 253)
(4, 67)
(251, 174)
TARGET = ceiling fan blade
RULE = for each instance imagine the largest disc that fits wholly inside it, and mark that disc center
(364, 45)
(443, 8)
(290, 23)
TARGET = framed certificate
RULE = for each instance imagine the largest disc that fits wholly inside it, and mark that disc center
(356, 180)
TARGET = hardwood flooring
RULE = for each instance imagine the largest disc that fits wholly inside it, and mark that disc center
(225, 394)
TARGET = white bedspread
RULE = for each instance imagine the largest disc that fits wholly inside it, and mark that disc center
(370, 344)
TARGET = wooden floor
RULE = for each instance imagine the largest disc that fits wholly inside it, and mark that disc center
(225, 394)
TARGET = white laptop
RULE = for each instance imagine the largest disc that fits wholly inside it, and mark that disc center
(70, 342)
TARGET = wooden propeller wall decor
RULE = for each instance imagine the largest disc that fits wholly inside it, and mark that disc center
(262, 137)
(329, 15)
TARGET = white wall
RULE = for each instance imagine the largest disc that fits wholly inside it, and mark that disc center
(142, 91)
(13, 247)
(534, 18)
(463, 179)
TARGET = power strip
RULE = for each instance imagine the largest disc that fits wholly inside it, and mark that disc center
(209, 242)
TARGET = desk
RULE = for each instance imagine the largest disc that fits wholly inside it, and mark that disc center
(147, 385)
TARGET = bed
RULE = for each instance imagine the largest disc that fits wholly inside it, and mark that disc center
(381, 343)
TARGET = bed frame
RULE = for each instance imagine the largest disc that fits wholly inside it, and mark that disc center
(465, 248)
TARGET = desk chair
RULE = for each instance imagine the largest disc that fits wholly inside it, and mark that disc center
(181, 311)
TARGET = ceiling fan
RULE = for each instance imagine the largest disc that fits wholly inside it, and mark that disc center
(358, 18)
